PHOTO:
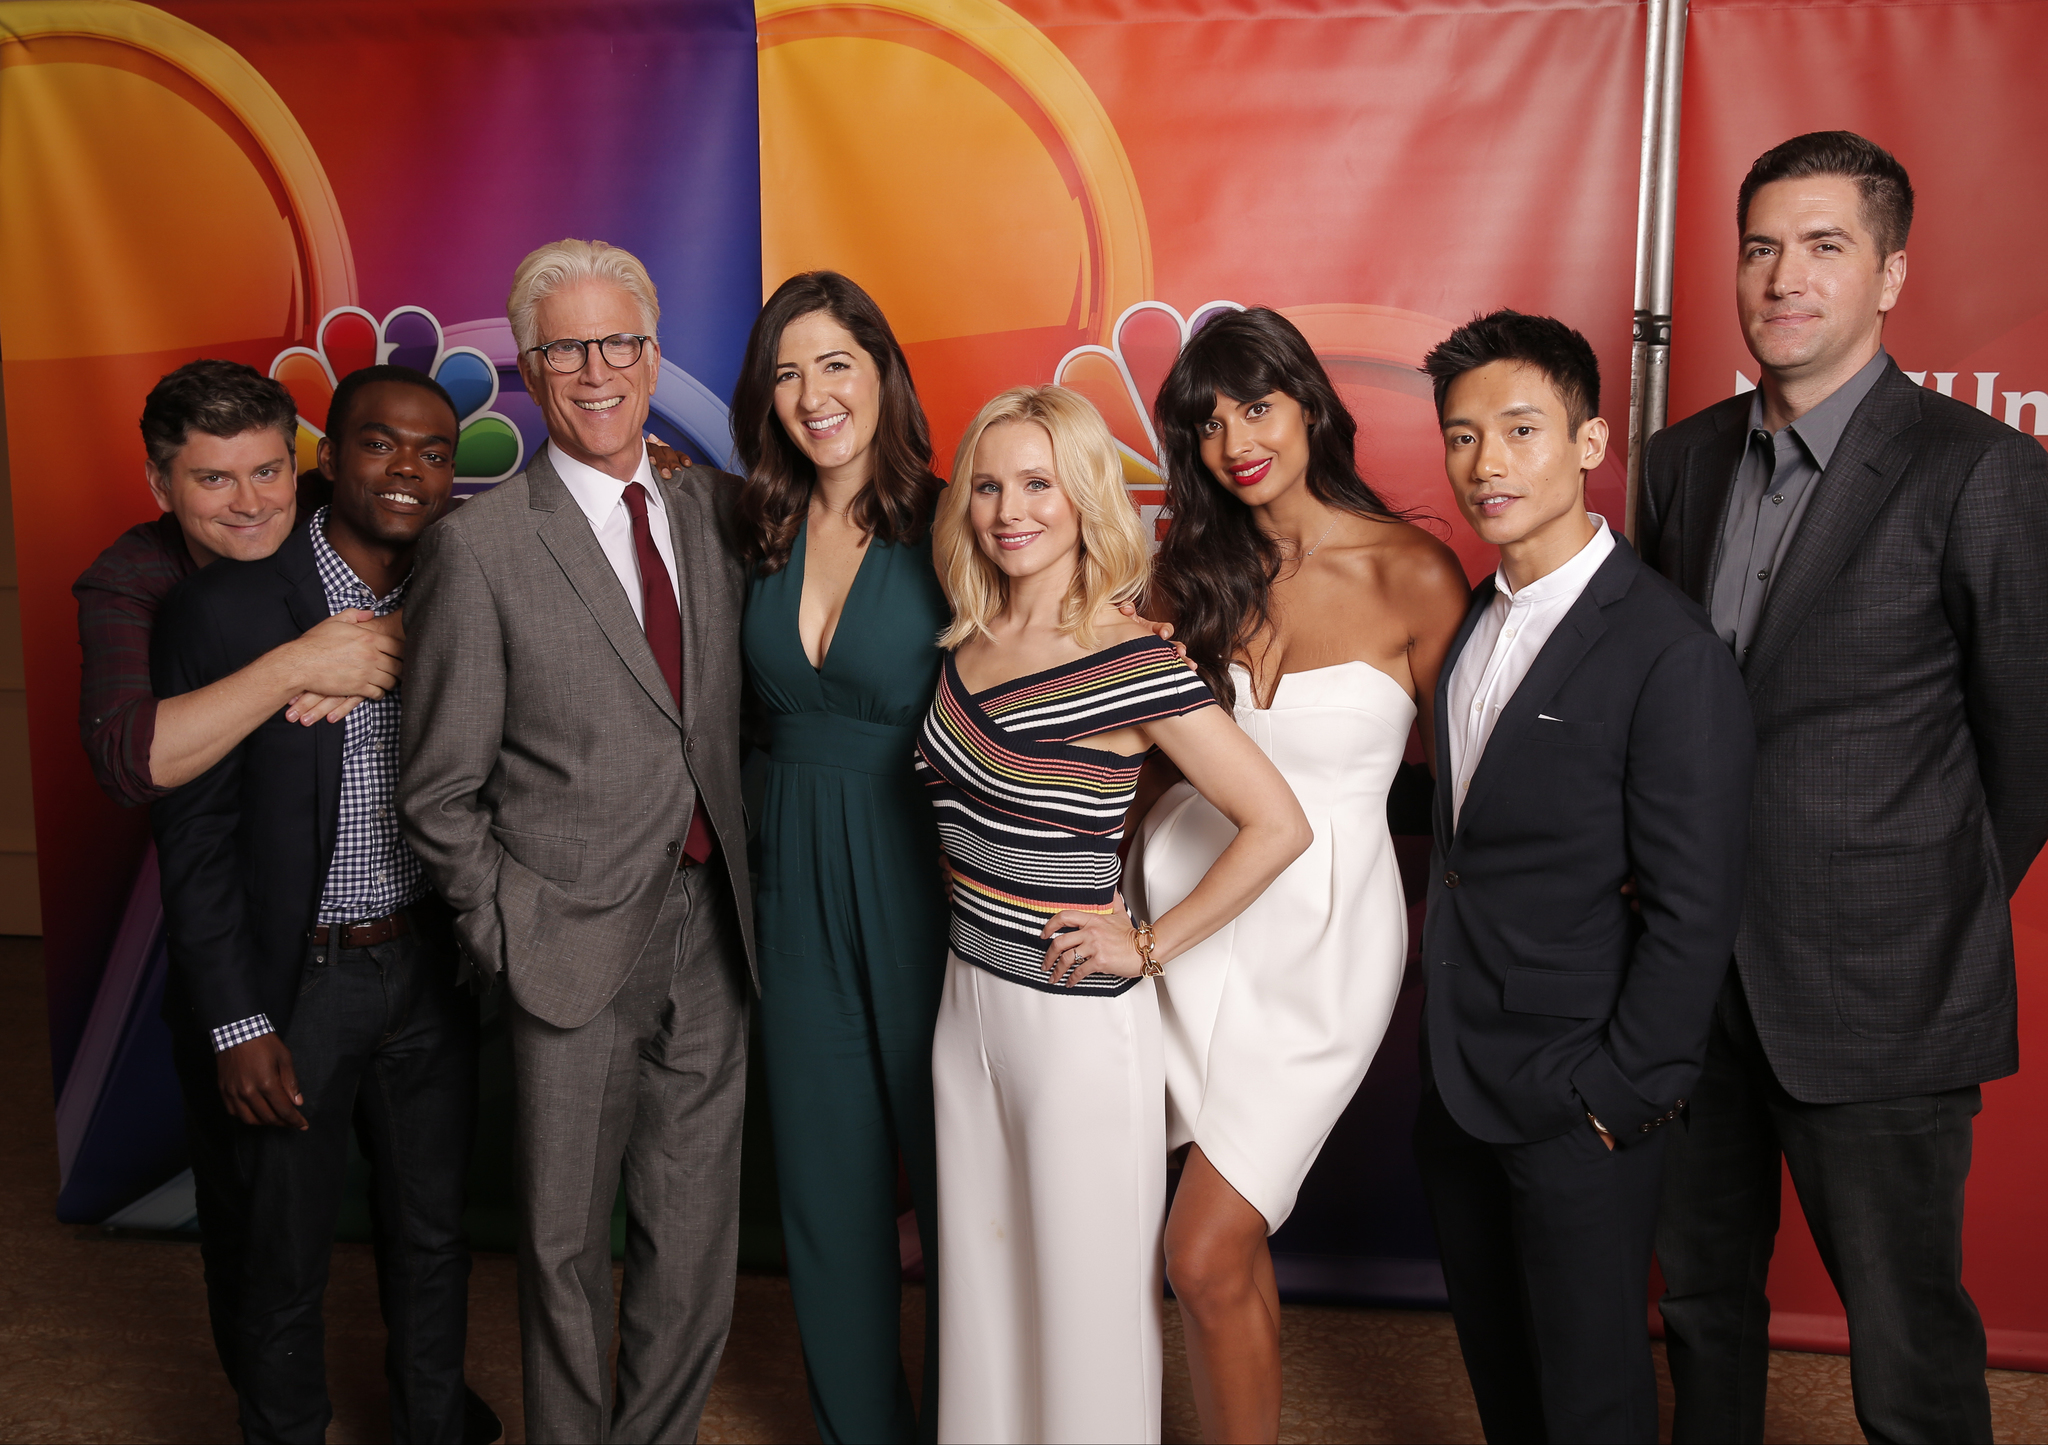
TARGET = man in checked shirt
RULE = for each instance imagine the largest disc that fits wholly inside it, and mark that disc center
(308, 951)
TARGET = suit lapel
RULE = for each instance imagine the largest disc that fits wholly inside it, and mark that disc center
(1482, 598)
(1580, 628)
(1846, 500)
(1709, 484)
(566, 533)
(305, 598)
(686, 528)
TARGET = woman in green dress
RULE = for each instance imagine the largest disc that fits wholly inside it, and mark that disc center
(842, 621)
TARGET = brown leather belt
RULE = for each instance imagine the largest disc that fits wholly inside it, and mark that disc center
(366, 933)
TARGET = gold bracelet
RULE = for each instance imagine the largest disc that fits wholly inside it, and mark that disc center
(1141, 936)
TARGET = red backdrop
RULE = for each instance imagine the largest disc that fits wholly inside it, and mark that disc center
(1953, 90)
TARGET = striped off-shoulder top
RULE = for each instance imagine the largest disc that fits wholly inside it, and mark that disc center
(1029, 819)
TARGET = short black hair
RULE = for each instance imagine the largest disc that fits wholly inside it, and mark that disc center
(220, 398)
(355, 381)
(1880, 179)
(1543, 342)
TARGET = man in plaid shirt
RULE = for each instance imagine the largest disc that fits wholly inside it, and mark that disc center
(308, 952)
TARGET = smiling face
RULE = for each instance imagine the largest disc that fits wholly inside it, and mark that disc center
(1516, 469)
(1812, 284)
(828, 395)
(598, 414)
(1023, 521)
(235, 497)
(1258, 450)
(393, 464)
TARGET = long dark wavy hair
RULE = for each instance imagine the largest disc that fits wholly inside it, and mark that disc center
(1215, 571)
(896, 504)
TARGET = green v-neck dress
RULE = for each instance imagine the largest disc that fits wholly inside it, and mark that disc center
(852, 933)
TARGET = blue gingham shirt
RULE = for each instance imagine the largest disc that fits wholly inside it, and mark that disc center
(373, 871)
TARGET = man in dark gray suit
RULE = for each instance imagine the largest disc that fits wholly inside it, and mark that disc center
(1877, 557)
(571, 781)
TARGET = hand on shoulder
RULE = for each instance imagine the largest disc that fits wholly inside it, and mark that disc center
(1114, 627)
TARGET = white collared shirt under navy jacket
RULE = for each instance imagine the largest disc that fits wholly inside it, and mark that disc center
(1503, 645)
(1624, 749)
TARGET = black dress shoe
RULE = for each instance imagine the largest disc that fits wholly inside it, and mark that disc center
(480, 1423)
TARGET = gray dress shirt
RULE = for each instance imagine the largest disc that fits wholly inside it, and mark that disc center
(1773, 484)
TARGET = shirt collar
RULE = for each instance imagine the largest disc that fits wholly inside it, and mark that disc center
(596, 492)
(339, 581)
(1820, 430)
(1570, 579)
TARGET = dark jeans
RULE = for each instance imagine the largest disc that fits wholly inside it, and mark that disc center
(213, 1138)
(384, 1040)
(1881, 1184)
(1546, 1254)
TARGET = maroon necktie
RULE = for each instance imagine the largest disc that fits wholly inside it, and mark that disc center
(664, 626)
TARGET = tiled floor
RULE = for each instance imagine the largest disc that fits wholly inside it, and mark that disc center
(105, 1338)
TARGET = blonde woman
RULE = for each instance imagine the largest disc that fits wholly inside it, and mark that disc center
(1046, 1065)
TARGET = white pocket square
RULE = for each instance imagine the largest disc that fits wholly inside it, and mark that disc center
(1546, 717)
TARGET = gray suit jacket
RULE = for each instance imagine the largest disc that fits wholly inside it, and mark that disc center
(547, 775)
(1899, 680)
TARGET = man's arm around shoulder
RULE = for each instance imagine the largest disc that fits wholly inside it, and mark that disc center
(453, 722)
(1691, 757)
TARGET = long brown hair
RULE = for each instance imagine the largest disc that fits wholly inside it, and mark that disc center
(1215, 571)
(896, 504)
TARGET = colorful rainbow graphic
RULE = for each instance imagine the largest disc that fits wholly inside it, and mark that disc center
(490, 448)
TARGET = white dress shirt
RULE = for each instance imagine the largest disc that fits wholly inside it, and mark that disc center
(1502, 649)
(602, 499)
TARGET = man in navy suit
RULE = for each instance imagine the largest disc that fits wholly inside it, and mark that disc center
(1590, 730)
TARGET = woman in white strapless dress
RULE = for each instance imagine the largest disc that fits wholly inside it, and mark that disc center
(1271, 1023)
(1321, 617)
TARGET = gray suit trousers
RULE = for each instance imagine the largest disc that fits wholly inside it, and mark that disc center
(654, 1087)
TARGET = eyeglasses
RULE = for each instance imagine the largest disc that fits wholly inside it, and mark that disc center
(620, 350)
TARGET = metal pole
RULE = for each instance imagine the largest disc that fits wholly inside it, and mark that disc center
(1656, 223)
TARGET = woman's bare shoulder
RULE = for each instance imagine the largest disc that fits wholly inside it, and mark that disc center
(1411, 559)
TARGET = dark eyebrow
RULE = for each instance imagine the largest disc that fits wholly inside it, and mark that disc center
(1818, 233)
(392, 432)
(821, 356)
(1527, 408)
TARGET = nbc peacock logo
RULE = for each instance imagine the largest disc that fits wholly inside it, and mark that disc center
(1119, 378)
(488, 448)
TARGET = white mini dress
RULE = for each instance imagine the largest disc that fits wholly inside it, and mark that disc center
(1269, 1024)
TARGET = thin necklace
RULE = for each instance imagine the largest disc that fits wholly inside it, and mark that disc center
(1320, 540)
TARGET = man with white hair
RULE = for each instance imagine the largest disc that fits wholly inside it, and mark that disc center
(571, 782)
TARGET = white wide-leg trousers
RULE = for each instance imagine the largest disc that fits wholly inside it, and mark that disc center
(1051, 1112)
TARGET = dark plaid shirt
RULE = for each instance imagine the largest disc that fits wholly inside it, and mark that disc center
(118, 597)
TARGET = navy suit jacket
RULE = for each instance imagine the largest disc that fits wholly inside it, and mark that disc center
(1626, 752)
(244, 847)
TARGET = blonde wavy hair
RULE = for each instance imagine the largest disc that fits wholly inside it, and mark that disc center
(1114, 560)
(564, 263)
